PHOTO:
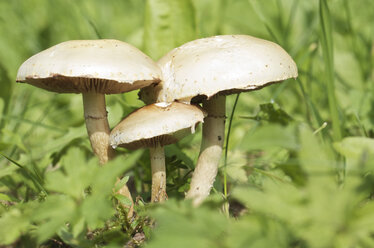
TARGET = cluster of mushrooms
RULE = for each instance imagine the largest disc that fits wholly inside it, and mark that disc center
(201, 71)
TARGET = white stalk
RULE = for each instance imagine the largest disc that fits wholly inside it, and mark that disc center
(97, 125)
(210, 151)
(157, 156)
(98, 131)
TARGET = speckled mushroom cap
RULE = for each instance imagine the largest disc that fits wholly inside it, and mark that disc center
(221, 64)
(102, 66)
(159, 123)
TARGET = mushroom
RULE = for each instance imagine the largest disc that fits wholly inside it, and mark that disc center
(93, 68)
(155, 126)
(208, 69)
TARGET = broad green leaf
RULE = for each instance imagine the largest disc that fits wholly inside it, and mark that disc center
(355, 147)
(96, 209)
(237, 172)
(275, 199)
(76, 176)
(359, 153)
(313, 156)
(15, 224)
(178, 220)
(256, 231)
(53, 214)
(167, 24)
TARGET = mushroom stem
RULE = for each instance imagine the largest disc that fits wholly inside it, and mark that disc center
(98, 131)
(210, 151)
(97, 125)
(157, 156)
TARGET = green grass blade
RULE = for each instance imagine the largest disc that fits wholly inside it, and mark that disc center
(5, 93)
(34, 124)
(27, 173)
(94, 27)
(167, 24)
(327, 50)
(261, 16)
(226, 151)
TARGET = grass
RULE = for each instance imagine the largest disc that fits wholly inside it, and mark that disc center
(297, 168)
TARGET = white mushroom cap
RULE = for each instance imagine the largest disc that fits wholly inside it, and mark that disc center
(102, 66)
(156, 124)
(220, 64)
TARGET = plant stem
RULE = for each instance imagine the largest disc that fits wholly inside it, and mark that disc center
(97, 125)
(226, 206)
(157, 156)
(210, 151)
(327, 48)
(98, 131)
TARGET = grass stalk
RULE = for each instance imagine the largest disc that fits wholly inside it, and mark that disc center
(328, 56)
(226, 206)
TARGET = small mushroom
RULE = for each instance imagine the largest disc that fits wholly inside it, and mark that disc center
(206, 70)
(155, 126)
(93, 68)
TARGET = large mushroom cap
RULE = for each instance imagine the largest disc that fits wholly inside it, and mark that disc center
(102, 66)
(156, 124)
(219, 64)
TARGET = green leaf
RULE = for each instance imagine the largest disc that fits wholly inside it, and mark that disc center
(358, 151)
(15, 224)
(123, 199)
(121, 183)
(181, 225)
(168, 24)
(4, 197)
(313, 156)
(270, 136)
(174, 150)
(96, 209)
(293, 169)
(8, 170)
(355, 147)
(76, 176)
(268, 112)
(259, 232)
(4, 146)
(53, 214)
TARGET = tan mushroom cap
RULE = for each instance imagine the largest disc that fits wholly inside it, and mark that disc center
(102, 66)
(156, 124)
(221, 64)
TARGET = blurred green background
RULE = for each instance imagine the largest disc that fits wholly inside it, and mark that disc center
(299, 165)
